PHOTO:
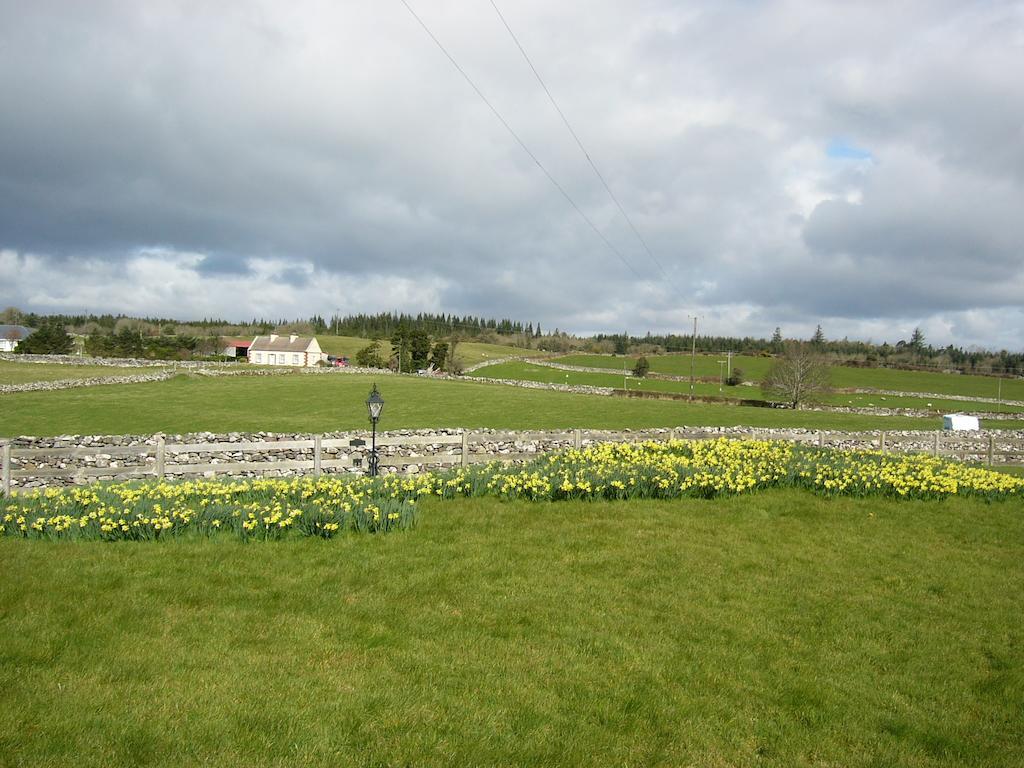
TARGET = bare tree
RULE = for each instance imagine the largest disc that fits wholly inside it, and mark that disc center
(11, 316)
(799, 376)
(453, 364)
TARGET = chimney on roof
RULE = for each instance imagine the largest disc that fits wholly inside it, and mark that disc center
(273, 337)
(293, 337)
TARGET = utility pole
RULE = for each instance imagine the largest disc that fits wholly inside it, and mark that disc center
(693, 356)
(729, 358)
(721, 375)
(336, 311)
(624, 386)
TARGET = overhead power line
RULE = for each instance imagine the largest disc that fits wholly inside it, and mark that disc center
(521, 143)
(579, 143)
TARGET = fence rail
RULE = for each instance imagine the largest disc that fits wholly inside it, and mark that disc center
(159, 459)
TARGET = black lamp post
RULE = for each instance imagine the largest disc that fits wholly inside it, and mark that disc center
(374, 404)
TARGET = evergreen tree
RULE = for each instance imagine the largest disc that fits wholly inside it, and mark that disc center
(917, 340)
(370, 356)
(439, 355)
(818, 339)
(419, 348)
(50, 339)
(400, 348)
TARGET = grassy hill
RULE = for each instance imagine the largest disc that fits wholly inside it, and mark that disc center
(470, 352)
(335, 401)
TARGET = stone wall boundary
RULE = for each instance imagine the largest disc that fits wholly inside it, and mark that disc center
(35, 462)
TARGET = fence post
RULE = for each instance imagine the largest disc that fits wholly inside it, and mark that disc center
(7, 469)
(881, 442)
(821, 439)
(991, 448)
(317, 454)
(935, 445)
(464, 458)
(577, 439)
(161, 448)
(672, 434)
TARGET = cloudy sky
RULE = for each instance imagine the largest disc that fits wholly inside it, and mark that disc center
(857, 165)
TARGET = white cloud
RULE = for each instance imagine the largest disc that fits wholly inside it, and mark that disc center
(163, 283)
(284, 155)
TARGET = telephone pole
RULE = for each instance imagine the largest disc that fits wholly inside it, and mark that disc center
(693, 356)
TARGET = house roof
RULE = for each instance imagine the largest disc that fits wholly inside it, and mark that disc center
(16, 332)
(275, 343)
(245, 343)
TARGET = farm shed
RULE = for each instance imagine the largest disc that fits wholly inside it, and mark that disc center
(960, 422)
(291, 350)
(235, 347)
(11, 335)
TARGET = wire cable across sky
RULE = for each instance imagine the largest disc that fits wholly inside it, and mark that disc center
(521, 143)
(579, 143)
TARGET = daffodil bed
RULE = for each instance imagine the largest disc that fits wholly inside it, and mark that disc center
(773, 629)
(269, 509)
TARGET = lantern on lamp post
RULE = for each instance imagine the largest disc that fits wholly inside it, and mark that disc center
(374, 404)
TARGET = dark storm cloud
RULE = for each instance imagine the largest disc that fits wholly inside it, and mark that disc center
(331, 148)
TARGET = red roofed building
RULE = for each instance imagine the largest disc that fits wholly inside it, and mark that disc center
(235, 347)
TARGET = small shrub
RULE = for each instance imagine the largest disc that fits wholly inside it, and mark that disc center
(735, 378)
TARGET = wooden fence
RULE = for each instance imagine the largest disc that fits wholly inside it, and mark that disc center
(160, 459)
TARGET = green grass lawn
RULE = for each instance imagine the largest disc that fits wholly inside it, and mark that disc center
(320, 403)
(779, 629)
(25, 373)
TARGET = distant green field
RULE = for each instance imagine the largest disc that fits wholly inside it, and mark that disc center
(920, 402)
(926, 381)
(25, 373)
(754, 369)
(523, 371)
(469, 352)
(320, 403)
(343, 346)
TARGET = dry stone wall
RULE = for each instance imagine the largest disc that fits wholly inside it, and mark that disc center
(125, 455)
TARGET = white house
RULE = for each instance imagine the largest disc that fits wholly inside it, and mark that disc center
(10, 335)
(289, 350)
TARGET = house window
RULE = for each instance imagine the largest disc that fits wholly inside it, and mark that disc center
(295, 360)
(257, 357)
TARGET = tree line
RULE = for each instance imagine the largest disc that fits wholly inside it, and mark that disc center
(385, 324)
(111, 334)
